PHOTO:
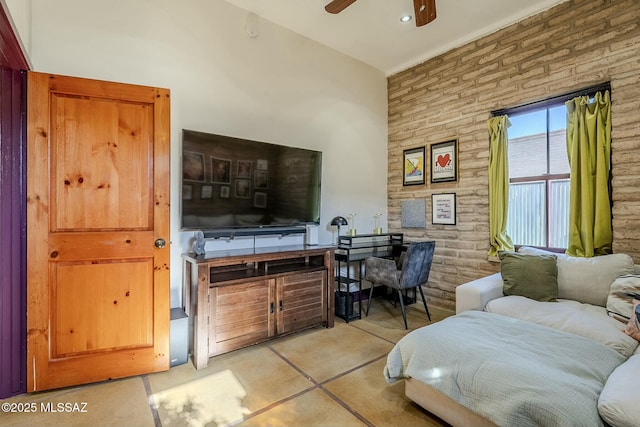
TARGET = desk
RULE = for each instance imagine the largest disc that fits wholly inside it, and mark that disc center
(355, 249)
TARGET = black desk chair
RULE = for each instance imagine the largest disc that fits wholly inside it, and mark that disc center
(413, 272)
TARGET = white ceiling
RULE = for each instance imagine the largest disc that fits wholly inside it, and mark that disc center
(371, 31)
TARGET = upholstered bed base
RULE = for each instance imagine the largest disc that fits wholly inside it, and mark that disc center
(443, 406)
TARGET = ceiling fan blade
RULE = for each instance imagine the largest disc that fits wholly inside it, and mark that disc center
(425, 11)
(337, 6)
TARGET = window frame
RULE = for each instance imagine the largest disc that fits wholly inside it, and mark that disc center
(546, 104)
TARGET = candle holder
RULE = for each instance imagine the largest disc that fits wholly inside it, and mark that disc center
(376, 219)
(352, 224)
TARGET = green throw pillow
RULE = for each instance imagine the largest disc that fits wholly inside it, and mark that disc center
(531, 276)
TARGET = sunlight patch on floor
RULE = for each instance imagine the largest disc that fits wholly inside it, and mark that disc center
(213, 400)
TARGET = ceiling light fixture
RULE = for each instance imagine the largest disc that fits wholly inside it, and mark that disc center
(405, 18)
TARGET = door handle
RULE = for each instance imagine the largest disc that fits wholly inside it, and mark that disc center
(160, 243)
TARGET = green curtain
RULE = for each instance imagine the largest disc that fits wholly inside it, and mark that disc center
(589, 152)
(498, 185)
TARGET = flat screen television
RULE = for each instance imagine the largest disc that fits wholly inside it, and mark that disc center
(234, 183)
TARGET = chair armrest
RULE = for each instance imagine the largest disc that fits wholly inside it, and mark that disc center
(381, 271)
(476, 294)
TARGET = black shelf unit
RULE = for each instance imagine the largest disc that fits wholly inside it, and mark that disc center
(355, 249)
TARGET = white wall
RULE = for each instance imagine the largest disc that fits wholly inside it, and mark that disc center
(20, 15)
(278, 87)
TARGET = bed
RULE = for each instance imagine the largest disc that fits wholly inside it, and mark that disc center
(482, 368)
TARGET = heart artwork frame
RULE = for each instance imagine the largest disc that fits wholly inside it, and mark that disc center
(444, 161)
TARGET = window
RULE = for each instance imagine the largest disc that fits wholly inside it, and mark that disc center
(539, 177)
(539, 172)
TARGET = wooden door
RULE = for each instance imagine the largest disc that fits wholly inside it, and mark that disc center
(302, 301)
(97, 203)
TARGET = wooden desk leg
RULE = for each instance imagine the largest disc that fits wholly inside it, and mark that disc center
(200, 323)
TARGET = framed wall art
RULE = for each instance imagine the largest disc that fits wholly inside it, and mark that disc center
(413, 213)
(262, 165)
(413, 166)
(221, 170)
(206, 192)
(443, 208)
(193, 166)
(187, 192)
(244, 169)
(261, 179)
(260, 200)
(243, 189)
(444, 161)
(224, 192)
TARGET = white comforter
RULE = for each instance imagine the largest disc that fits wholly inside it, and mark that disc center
(512, 372)
(589, 321)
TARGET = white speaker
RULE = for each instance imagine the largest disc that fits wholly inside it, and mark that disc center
(311, 235)
(178, 337)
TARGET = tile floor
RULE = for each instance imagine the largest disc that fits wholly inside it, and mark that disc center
(319, 377)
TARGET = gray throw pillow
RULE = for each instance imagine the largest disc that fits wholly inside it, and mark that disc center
(531, 276)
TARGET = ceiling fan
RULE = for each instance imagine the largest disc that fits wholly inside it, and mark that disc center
(425, 10)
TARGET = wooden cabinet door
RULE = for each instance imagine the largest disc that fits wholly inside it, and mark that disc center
(302, 301)
(241, 315)
(97, 205)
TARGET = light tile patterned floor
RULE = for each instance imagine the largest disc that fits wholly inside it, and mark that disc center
(319, 377)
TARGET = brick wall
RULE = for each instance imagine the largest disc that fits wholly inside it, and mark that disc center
(574, 45)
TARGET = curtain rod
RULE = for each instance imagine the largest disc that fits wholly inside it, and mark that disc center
(591, 90)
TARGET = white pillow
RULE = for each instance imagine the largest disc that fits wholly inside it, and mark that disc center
(570, 316)
(618, 304)
(618, 401)
(587, 280)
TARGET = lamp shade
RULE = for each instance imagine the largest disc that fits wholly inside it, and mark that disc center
(339, 221)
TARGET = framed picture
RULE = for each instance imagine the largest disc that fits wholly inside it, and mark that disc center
(206, 192)
(193, 166)
(260, 200)
(443, 208)
(244, 169)
(224, 192)
(187, 192)
(261, 180)
(413, 166)
(444, 161)
(262, 165)
(221, 170)
(243, 189)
